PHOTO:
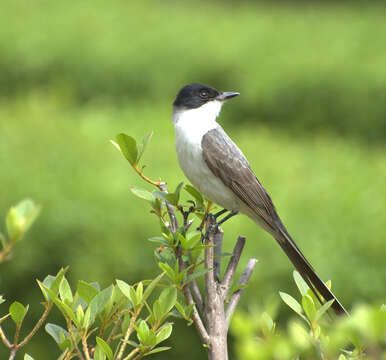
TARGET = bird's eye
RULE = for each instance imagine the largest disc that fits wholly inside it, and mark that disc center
(204, 94)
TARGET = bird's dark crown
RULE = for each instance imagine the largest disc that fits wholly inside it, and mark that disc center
(193, 96)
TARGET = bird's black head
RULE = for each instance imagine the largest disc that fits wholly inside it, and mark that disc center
(193, 96)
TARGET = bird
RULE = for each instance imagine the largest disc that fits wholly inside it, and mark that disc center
(218, 169)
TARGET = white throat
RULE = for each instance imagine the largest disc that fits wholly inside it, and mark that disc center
(195, 123)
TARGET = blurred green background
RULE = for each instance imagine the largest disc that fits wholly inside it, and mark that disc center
(311, 118)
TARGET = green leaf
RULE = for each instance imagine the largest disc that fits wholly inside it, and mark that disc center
(65, 292)
(323, 309)
(86, 291)
(180, 309)
(309, 307)
(1, 299)
(159, 240)
(149, 289)
(193, 238)
(169, 271)
(197, 196)
(300, 283)
(128, 147)
(99, 354)
(105, 347)
(139, 292)
(151, 339)
(164, 332)
(18, 312)
(145, 141)
(79, 313)
(126, 322)
(98, 303)
(64, 308)
(168, 299)
(87, 320)
(28, 357)
(128, 291)
(56, 332)
(181, 240)
(291, 302)
(157, 350)
(299, 336)
(178, 191)
(160, 195)
(142, 331)
(141, 193)
(53, 282)
(20, 217)
(157, 311)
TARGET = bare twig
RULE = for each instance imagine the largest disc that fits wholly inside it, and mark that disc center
(128, 333)
(209, 258)
(73, 340)
(217, 252)
(114, 330)
(214, 302)
(140, 173)
(17, 333)
(40, 322)
(12, 354)
(132, 353)
(85, 348)
(233, 301)
(232, 265)
(189, 300)
(170, 209)
(4, 338)
(6, 252)
(197, 295)
(187, 225)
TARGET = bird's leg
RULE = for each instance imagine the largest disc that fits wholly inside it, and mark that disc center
(223, 211)
(231, 214)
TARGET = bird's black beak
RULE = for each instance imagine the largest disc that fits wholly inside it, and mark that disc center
(226, 95)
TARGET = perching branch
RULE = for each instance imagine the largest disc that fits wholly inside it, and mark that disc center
(217, 315)
(232, 265)
(217, 252)
(233, 301)
(212, 307)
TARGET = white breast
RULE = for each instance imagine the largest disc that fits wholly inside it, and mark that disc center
(190, 126)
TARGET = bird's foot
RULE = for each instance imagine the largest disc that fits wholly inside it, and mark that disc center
(217, 214)
(231, 214)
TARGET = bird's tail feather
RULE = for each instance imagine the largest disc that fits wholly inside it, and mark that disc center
(306, 270)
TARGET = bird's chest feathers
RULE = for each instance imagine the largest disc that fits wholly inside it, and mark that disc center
(189, 129)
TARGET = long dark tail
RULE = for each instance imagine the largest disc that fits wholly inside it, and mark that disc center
(306, 270)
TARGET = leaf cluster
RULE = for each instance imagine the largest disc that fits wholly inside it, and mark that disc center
(314, 334)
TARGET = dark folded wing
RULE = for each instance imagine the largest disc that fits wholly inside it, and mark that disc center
(227, 162)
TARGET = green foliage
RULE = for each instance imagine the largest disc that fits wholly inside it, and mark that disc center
(18, 220)
(359, 336)
(103, 310)
(124, 321)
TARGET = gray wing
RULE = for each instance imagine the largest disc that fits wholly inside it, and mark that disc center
(227, 162)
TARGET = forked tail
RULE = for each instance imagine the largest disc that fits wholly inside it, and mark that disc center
(306, 270)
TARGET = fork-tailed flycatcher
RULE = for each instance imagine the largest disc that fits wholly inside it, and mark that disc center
(218, 169)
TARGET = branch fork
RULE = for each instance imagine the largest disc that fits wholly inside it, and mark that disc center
(211, 315)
